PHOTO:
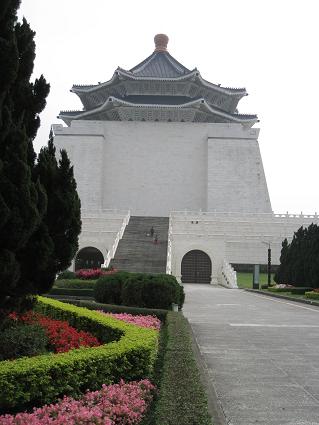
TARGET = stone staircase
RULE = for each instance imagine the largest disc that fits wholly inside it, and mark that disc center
(137, 252)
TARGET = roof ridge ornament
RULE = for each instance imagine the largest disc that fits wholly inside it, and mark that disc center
(161, 41)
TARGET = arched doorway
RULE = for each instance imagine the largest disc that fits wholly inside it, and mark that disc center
(89, 258)
(196, 267)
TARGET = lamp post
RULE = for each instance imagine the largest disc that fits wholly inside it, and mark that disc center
(268, 262)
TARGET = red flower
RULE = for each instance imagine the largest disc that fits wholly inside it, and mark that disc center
(93, 273)
(62, 336)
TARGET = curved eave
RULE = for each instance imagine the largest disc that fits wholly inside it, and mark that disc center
(193, 76)
(121, 74)
(240, 92)
(77, 89)
(111, 102)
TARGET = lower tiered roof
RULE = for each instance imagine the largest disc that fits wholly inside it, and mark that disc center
(176, 110)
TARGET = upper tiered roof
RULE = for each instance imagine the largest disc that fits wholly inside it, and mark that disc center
(159, 89)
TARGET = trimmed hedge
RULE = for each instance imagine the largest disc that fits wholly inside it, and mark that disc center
(300, 290)
(72, 292)
(21, 340)
(140, 290)
(74, 284)
(67, 274)
(279, 289)
(181, 397)
(35, 381)
(109, 308)
(108, 289)
(312, 295)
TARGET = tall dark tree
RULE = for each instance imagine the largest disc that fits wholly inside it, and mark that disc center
(22, 201)
(39, 207)
(312, 264)
(55, 242)
(282, 274)
(299, 260)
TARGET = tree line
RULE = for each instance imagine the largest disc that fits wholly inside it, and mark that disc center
(299, 260)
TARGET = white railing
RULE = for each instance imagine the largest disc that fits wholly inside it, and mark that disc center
(206, 215)
(169, 250)
(103, 212)
(228, 276)
(119, 236)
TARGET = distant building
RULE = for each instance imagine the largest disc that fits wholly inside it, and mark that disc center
(160, 141)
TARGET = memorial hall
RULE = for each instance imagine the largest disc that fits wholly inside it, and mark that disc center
(170, 175)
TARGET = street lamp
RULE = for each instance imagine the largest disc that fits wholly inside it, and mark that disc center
(269, 261)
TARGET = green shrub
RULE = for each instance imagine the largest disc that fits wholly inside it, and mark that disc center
(139, 290)
(20, 340)
(67, 274)
(312, 295)
(130, 353)
(300, 290)
(75, 284)
(181, 397)
(72, 292)
(108, 288)
(152, 291)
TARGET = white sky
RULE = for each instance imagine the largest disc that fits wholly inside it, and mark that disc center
(268, 46)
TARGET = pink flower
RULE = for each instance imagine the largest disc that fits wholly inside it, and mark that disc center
(147, 321)
(117, 404)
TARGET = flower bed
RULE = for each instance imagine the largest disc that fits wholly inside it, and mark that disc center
(147, 321)
(91, 274)
(130, 353)
(62, 336)
(118, 404)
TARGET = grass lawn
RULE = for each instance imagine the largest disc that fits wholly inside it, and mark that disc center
(245, 280)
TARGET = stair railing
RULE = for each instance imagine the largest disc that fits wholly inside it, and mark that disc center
(169, 249)
(118, 237)
(228, 276)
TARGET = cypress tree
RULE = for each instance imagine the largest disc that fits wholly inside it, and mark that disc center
(282, 274)
(56, 241)
(39, 206)
(312, 264)
(299, 260)
(297, 257)
(22, 201)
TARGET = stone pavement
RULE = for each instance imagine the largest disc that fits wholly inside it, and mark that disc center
(261, 355)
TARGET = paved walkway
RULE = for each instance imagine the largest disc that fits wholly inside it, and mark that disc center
(262, 354)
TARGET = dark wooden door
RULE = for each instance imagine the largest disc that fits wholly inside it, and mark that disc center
(89, 258)
(196, 267)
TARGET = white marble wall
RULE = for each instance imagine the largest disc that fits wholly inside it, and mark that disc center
(236, 179)
(236, 238)
(100, 229)
(153, 168)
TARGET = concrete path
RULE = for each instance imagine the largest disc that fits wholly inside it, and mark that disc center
(261, 354)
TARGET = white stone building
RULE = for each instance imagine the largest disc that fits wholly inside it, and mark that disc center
(160, 141)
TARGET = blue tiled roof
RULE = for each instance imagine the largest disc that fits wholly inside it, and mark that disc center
(161, 65)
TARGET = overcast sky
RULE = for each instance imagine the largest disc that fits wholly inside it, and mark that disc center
(268, 46)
